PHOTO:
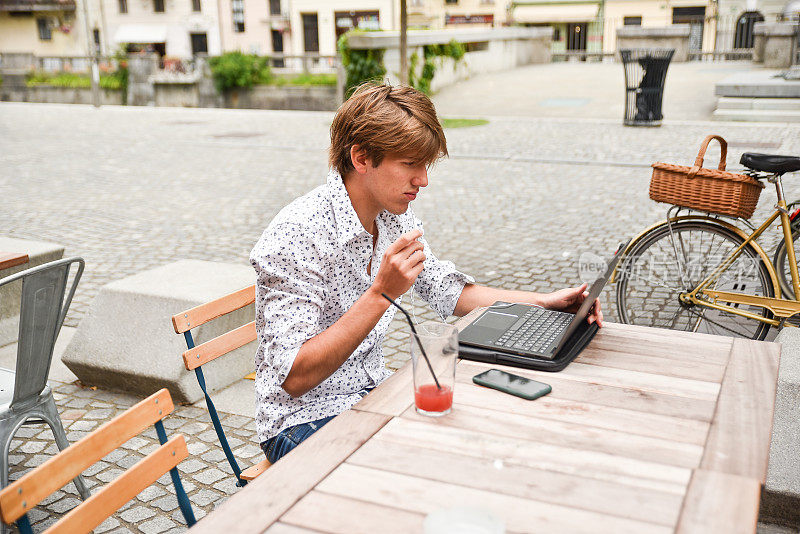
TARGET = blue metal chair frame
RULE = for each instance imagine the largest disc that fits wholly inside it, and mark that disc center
(212, 412)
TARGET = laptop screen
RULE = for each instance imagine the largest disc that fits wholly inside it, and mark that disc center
(588, 302)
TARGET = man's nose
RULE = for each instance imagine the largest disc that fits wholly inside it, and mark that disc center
(421, 178)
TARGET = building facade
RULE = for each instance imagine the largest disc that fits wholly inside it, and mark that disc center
(42, 27)
(591, 25)
(439, 14)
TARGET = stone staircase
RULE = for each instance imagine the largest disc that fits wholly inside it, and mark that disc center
(758, 96)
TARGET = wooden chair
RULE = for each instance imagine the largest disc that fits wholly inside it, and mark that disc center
(21, 496)
(196, 356)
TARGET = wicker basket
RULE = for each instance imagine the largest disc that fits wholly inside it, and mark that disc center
(711, 190)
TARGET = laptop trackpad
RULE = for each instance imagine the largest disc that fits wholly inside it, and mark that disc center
(489, 327)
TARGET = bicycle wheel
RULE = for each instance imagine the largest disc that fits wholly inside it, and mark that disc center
(655, 273)
(781, 262)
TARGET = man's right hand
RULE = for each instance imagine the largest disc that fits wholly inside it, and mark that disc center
(401, 264)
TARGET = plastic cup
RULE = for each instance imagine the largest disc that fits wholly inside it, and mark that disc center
(440, 341)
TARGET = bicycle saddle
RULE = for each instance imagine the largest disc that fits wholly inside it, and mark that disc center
(770, 162)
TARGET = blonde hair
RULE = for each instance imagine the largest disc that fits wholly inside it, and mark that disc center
(384, 120)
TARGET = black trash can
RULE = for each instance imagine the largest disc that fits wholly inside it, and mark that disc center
(645, 73)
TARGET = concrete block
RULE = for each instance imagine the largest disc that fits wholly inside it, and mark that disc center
(756, 115)
(39, 252)
(727, 102)
(776, 43)
(675, 36)
(780, 502)
(126, 340)
(758, 84)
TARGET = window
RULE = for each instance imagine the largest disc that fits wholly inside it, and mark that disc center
(632, 21)
(158, 6)
(450, 1)
(123, 6)
(237, 6)
(310, 32)
(274, 7)
(556, 33)
(197, 6)
(96, 35)
(44, 29)
(199, 43)
(744, 29)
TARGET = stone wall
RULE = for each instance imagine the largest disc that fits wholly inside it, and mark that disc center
(311, 98)
(58, 95)
(775, 43)
(675, 36)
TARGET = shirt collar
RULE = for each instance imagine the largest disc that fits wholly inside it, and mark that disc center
(348, 225)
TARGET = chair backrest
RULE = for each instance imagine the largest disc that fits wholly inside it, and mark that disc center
(196, 356)
(18, 498)
(42, 311)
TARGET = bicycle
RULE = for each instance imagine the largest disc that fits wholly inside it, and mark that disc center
(702, 272)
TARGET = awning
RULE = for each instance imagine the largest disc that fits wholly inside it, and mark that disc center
(141, 33)
(555, 13)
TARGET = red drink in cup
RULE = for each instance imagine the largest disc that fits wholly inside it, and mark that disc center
(434, 396)
(430, 399)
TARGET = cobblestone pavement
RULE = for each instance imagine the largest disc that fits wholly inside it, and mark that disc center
(129, 189)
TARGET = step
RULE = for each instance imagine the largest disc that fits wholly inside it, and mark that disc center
(759, 103)
(757, 115)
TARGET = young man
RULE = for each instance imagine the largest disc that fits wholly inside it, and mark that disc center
(325, 259)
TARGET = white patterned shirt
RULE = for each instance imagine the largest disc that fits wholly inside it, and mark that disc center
(311, 265)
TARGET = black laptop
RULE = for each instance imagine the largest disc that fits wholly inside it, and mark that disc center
(530, 336)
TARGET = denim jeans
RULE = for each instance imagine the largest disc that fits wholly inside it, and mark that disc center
(279, 446)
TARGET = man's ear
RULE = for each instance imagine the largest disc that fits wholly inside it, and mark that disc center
(358, 156)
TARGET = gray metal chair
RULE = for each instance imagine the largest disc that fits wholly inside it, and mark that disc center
(25, 396)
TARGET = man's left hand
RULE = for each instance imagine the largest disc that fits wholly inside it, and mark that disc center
(570, 299)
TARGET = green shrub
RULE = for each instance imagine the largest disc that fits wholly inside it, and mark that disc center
(235, 69)
(115, 81)
(360, 65)
(304, 79)
(453, 49)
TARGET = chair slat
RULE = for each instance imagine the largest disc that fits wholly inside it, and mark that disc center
(22, 495)
(218, 346)
(96, 509)
(198, 315)
(254, 470)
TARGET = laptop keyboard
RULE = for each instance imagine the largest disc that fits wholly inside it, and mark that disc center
(535, 331)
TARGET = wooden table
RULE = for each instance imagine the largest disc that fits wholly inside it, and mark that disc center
(12, 259)
(647, 431)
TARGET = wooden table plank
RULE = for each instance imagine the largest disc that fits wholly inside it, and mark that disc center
(267, 497)
(393, 396)
(283, 528)
(591, 464)
(739, 438)
(568, 389)
(424, 496)
(663, 343)
(682, 387)
(634, 419)
(12, 259)
(571, 435)
(342, 515)
(719, 503)
(502, 477)
(697, 369)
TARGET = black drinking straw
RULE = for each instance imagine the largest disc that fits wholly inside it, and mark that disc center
(416, 336)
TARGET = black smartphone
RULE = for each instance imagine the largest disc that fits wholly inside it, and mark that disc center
(512, 384)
